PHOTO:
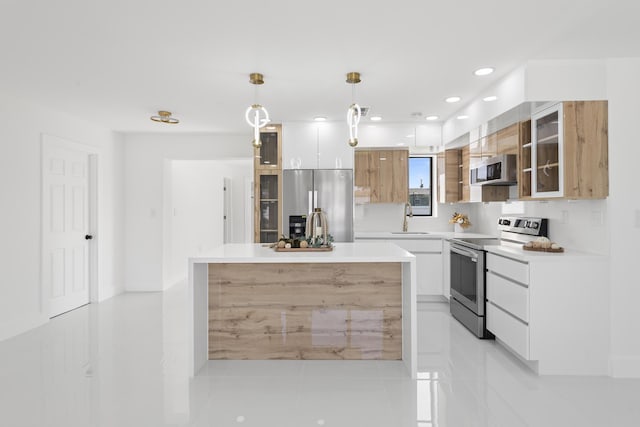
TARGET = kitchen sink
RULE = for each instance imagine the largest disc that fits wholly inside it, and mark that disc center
(409, 232)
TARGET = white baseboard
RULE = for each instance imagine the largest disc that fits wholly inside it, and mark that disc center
(431, 298)
(625, 367)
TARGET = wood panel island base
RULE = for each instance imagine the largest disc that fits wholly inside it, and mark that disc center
(305, 311)
(355, 302)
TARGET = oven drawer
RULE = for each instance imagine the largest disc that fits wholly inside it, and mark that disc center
(512, 297)
(514, 270)
(508, 329)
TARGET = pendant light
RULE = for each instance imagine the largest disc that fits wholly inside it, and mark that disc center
(354, 113)
(165, 117)
(255, 111)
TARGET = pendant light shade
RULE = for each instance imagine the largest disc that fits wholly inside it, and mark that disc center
(256, 115)
(354, 112)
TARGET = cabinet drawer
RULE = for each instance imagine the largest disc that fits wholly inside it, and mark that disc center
(512, 332)
(514, 270)
(420, 245)
(510, 296)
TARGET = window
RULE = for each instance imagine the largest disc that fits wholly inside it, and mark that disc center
(420, 194)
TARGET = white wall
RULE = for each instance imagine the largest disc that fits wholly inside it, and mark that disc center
(196, 209)
(147, 174)
(579, 225)
(20, 191)
(623, 88)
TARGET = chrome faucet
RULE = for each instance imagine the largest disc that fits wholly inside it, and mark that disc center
(405, 224)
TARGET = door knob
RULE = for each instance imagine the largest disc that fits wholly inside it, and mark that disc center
(88, 237)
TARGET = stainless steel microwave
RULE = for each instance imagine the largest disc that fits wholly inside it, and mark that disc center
(498, 170)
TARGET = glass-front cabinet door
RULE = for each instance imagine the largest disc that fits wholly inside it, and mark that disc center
(268, 213)
(547, 153)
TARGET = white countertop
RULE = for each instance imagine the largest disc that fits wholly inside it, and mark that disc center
(529, 256)
(390, 235)
(342, 252)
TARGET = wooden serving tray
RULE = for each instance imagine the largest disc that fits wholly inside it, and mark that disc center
(320, 249)
(559, 250)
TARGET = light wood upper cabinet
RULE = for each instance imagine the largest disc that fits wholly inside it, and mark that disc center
(466, 187)
(507, 139)
(586, 148)
(569, 151)
(381, 176)
(490, 146)
(452, 176)
(524, 160)
(269, 155)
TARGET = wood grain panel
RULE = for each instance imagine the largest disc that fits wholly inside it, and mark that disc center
(586, 149)
(362, 190)
(374, 175)
(508, 139)
(452, 158)
(305, 311)
(466, 190)
(400, 179)
(524, 160)
(495, 193)
(490, 146)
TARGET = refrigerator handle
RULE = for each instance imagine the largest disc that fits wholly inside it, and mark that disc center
(315, 198)
(310, 202)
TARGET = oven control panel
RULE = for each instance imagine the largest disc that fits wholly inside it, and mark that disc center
(523, 225)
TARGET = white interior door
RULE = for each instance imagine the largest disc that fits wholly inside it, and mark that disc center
(65, 227)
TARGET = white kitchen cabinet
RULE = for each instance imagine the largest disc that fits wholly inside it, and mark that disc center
(446, 269)
(316, 146)
(428, 252)
(550, 309)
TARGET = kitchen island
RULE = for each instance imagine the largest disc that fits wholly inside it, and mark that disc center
(356, 302)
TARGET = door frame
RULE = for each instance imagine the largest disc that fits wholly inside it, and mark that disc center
(93, 153)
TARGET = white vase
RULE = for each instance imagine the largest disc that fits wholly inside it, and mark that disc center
(457, 228)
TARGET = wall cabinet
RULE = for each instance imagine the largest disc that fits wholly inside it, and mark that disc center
(569, 151)
(451, 176)
(267, 186)
(532, 310)
(316, 146)
(381, 176)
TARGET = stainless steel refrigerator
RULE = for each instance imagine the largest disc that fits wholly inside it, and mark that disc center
(329, 189)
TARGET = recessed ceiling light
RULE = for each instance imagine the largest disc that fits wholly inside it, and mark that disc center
(375, 118)
(483, 71)
(462, 117)
(409, 136)
(452, 99)
(489, 98)
(320, 119)
(432, 118)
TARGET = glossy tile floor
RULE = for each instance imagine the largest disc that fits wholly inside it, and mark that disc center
(123, 363)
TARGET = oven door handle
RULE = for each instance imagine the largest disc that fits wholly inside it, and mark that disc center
(468, 254)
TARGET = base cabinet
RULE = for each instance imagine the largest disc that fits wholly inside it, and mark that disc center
(551, 310)
(429, 271)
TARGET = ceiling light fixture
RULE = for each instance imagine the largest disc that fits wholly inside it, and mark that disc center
(375, 118)
(320, 119)
(485, 71)
(489, 98)
(354, 113)
(254, 120)
(453, 99)
(462, 117)
(432, 118)
(165, 117)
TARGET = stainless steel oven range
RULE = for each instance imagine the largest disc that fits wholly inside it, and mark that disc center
(467, 300)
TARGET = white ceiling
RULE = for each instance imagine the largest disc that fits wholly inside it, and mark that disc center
(117, 62)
